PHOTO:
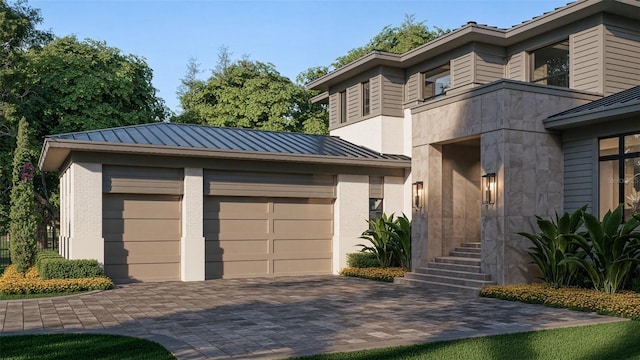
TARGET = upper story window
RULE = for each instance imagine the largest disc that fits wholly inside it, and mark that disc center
(619, 174)
(550, 65)
(343, 106)
(366, 99)
(436, 82)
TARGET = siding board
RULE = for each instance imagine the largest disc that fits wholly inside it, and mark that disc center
(579, 173)
(142, 180)
(334, 99)
(516, 67)
(353, 103)
(586, 51)
(375, 95)
(392, 95)
(488, 68)
(413, 87)
(462, 70)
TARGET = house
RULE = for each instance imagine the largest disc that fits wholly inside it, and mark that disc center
(501, 125)
(473, 134)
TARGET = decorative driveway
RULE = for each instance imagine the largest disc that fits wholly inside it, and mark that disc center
(280, 317)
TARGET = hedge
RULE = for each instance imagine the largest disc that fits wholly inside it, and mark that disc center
(52, 265)
(624, 304)
(362, 260)
(379, 274)
(14, 282)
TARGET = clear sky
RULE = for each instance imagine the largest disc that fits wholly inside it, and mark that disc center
(294, 35)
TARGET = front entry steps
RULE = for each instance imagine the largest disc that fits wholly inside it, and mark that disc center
(460, 272)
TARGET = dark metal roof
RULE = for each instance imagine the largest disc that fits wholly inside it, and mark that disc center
(229, 139)
(622, 105)
(625, 98)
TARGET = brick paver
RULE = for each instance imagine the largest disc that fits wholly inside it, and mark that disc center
(280, 317)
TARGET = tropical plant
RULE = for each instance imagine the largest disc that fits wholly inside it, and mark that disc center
(552, 246)
(390, 239)
(609, 251)
(401, 235)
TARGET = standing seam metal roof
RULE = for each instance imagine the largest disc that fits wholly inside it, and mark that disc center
(233, 139)
(624, 98)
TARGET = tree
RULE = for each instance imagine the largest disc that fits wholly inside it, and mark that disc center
(18, 34)
(246, 94)
(398, 40)
(24, 222)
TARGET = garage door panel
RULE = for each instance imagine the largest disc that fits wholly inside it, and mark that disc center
(221, 269)
(121, 206)
(237, 247)
(148, 249)
(143, 272)
(301, 245)
(303, 210)
(236, 226)
(302, 266)
(143, 229)
(220, 206)
(303, 226)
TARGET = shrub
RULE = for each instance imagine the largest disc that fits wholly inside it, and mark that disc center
(47, 254)
(625, 304)
(390, 240)
(52, 268)
(552, 246)
(23, 220)
(362, 260)
(379, 274)
(13, 282)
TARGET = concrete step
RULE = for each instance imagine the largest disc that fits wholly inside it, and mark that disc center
(437, 286)
(465, 254)
(476, 275)
(432, 278)
(468, 250)
(457, 260)
(454, 267)
(475, 245)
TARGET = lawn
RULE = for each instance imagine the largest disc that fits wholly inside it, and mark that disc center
(605, 341)
(80, 346)
(38, 296)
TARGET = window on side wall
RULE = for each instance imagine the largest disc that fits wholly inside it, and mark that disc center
(550, 65)
(436, 82)
(376, 195)
(366, 98)
(619, 174)
(343, 106)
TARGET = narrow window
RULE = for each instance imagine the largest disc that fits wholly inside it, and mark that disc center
(343, 107)
(619, 174)
(376, 195)
(436, 82)
(366, 98)
(550, 65)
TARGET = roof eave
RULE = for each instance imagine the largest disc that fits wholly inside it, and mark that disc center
(592, 117)
(56, 151)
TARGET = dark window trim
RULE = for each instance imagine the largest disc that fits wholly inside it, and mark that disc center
(342, 108)
(532, 65)
(620, 157)
(444, 68)
(366, 98)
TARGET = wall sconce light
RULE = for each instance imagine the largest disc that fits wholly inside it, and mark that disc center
(418, 194)
(489, 188)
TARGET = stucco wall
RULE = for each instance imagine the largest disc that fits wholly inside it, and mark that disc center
(84, 211)
(192, 243)
(385, 134)
(351, 208)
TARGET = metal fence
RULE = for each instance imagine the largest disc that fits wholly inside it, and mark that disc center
(51, 243)
(5, 258)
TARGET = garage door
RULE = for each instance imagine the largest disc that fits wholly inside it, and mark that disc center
(141, 237)
(258, 236)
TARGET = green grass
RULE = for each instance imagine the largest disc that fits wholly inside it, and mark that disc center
(79, 346)
(37, 296)
(605, 341)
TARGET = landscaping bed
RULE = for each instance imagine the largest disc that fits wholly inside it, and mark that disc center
(379, 274)
(624, 304)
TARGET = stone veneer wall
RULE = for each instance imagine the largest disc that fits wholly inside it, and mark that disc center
(507, 117)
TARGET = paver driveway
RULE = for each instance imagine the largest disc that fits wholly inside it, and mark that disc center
(280, 317)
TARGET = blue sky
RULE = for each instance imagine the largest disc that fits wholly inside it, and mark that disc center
(294, 35)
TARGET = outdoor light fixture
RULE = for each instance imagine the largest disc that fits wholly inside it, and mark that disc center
(418, 194)
(489, 189)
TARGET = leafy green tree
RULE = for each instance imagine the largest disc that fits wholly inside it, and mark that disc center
(247, 94)
(394, 39)
(18, 34)
(24, 222)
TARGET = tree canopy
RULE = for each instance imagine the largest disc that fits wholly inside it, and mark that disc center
(248, 94)
(62, 85)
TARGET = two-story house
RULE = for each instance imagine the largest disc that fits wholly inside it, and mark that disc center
(501, 125)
